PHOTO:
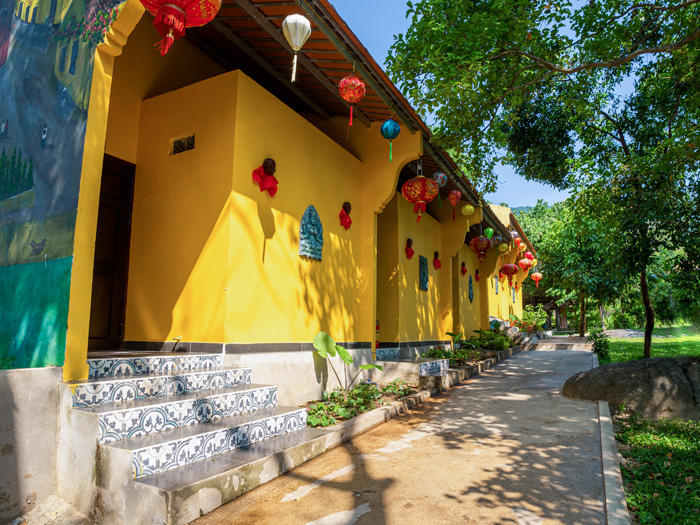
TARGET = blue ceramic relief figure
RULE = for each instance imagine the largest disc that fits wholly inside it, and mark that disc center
(513, 289)
(495, 280)
(311, 235)
(423, 273)
(471, 290)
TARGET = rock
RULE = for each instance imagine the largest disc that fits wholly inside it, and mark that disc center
(655, 388)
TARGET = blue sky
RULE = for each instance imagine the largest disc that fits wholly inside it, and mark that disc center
(375, 22)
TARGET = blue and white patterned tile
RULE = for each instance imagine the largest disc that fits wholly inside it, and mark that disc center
(388, 353)
(438, 367)
(129, 366)
(138, 421)
(167, 456)
(120, 390)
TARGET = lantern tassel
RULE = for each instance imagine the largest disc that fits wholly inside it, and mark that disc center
(390, 152)
(294, 68)
(170, 22)
(351, 114)
(439, 200)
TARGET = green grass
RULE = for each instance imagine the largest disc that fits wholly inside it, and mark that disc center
(662, 471)
(686, 343)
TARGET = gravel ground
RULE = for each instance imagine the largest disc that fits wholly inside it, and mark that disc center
(626, 333)
(54, 511)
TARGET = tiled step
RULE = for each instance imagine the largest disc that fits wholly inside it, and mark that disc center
(132, 363)
(147, 416)
(205, 485)
(122, 389)
(167, 450)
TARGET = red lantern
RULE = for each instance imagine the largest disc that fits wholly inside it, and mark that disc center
(418, 191)
(174, 16)
(537, 277)
(480, 245)
(525, 264)
(529, 255)
(454, 197)
(521, 246)
(517, 241)
(510, 270)
(352, 89)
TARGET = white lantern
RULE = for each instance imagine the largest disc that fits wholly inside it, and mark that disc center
(297, 30)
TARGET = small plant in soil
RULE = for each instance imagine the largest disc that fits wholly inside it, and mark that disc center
(460, 357)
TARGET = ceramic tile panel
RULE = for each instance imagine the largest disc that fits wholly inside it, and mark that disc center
(144, 387)
(128, 366)
(130, 422)
(388, 353)
(161, 458)
(437, 367)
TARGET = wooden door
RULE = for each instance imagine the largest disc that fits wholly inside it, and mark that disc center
(111, 255)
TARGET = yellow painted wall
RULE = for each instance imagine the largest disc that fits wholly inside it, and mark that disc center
(420, 311)
(389, 249)
(140, 73)
(469, 312)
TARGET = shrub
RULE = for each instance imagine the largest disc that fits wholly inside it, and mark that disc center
(601, 343)
(532, 320)
(457, 358)
(492, 340)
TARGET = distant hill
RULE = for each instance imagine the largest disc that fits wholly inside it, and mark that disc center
(521, 209)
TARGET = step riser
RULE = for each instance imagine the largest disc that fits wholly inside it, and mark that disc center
(161, 458)
(115, 426)
(128, 366)
(129, 389)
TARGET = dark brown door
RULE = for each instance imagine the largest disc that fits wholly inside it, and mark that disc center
(111, 255)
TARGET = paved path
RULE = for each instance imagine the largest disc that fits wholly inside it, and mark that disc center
(503, 448)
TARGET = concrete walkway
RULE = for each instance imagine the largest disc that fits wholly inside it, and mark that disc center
(502, 448)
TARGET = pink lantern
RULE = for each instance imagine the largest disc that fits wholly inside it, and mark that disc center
(529, 255)
(537, 277)
(525, 264)
(454, 197)
(510, 270)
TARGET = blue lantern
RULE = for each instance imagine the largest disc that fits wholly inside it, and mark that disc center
(390, 130)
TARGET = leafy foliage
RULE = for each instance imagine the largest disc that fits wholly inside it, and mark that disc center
(601, 343)
(326, 348)
(16, 174)
(364, 397)
(533, 319)
(458, 357)
(661, 468)
(492, 339)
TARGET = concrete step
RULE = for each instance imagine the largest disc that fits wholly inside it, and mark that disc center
(120, 389)
(163, 451)
(133, 363)
(206, 485)
(150, 415)
(560, 346)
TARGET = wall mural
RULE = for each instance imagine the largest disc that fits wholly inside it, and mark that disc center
(423, 273)
(311, 235)
(46, 60)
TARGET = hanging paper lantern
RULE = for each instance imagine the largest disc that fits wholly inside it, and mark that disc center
(352, 89)
(510, 270)
(537, 277)
(467, 209)
(522, 246)
(529, 255)
(441, 179)
(488, 232)
(390, 130)
(525, 264)
(513, 234)
(172, 17)
(503, 247)
(517, 241)
(296, 29)
(419, 191)
(454, 197)
(534, 262)
(480, 245)
(497, 240)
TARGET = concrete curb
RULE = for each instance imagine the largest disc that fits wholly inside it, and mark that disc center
(615, 501)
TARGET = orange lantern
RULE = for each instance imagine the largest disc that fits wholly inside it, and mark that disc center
(419, 191)
(172, 17)
(521, 246)
(537, 277)
(480, 245)
(517, 241)
(454, 197)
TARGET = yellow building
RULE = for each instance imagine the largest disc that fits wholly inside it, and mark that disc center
(45, 12)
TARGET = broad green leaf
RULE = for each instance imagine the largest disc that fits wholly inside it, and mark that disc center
(325, 345)
(371, 367)
(344, 354)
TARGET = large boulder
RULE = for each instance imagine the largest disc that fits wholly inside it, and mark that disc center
(655, 388)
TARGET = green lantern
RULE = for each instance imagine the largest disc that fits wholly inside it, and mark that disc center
(488, 232)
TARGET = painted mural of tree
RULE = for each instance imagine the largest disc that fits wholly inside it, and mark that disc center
(93, 26)
(16, 174)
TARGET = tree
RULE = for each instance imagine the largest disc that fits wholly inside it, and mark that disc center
(574, 252)
(464, 62)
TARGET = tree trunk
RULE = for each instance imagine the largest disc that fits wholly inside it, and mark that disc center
(648, 313)
(582, 314)
(602, 316)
